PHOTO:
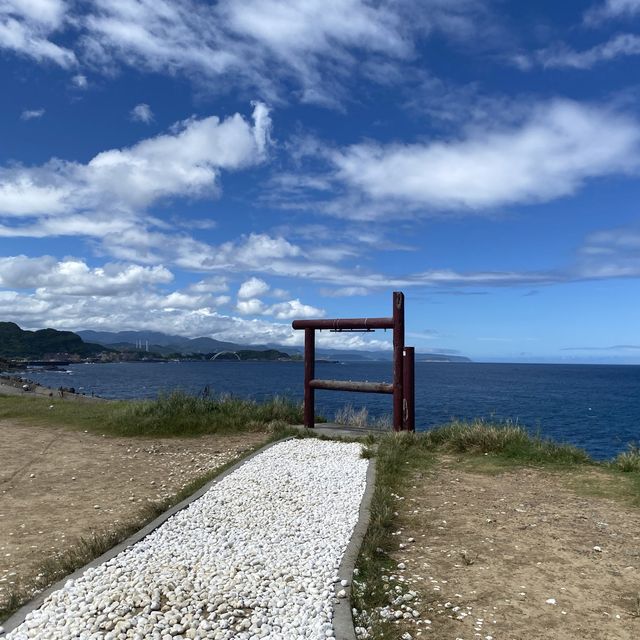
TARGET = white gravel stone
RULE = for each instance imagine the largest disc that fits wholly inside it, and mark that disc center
(255, 557)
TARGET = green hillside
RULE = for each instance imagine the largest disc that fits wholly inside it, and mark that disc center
(16, 343)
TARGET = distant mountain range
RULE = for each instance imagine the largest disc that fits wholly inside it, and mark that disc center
(165, 344)
(160, 342)
(50, 343)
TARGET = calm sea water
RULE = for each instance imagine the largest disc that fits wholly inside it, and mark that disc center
(596, 407)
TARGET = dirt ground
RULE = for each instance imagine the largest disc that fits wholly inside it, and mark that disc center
(57, 485)
(518, 554)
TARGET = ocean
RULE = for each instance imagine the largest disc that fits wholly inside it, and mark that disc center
(596, 407)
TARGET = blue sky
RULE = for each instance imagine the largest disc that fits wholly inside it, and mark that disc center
(221, 168)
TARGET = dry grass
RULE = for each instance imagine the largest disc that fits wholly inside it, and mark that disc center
(352, 417)
(628, 460)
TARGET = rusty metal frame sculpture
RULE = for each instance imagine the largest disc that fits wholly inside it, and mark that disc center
(402, 388)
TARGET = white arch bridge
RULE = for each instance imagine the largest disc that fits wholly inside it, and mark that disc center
(225, 353)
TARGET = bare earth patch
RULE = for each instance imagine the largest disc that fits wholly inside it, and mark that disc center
(515, 555)
(57, 485)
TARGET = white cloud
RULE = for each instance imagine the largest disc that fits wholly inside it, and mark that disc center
(184, 162)
(289, 28)
(180, 300)
(141, 113)
(79, 81)
(108, 196)
(73, 276)
(252, 288)
(24, 193)
(611, 9)
(249, 304)
(265, 46)
(561, 56)
(27, 25)
(257, 251)
(293, 309)
(611, 253)
(214, 284)
(251, 307)
(255, 43)
(550, 154)
(262, 128)
(31, 114)
(49, 13)
(345, 292)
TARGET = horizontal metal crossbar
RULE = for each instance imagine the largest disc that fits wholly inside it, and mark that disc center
(351, 385)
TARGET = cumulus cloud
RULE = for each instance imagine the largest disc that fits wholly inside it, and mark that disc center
(29, 312)
(294, 309)
(550, 154)
(70, 294)
(27, 193)
(249, 302)
(31, 114)
(109, 195)
(252, 288)
(250, 307)
(141, 113)
(184, 162)
(26, 27)
(74, 277)
(258, 251)
(280, 311)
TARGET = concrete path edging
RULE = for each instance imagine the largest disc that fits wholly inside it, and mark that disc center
(343, 615)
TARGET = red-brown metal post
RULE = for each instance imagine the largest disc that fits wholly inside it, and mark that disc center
(398, 347)
(408, 386)
(309, 374)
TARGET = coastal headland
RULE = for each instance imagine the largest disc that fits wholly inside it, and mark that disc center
(475, 528)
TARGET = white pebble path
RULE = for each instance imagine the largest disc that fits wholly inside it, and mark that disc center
(256, 556)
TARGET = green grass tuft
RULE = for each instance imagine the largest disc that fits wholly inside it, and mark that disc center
(179, 414)
(173, 414)
(506, 440)
(628, 461)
